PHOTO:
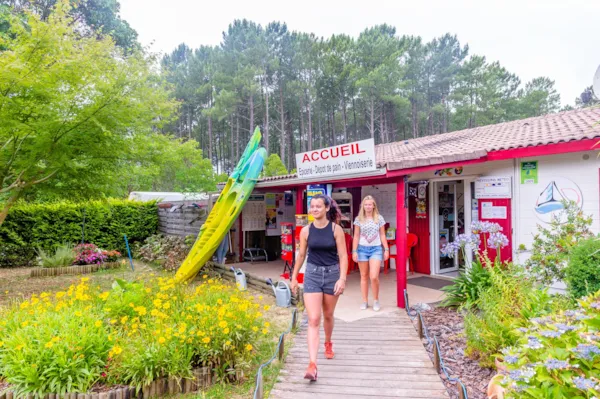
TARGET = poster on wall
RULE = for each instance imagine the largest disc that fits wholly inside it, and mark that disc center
(493, 187)
(489, 211)
(421, 209)
(444, 239)
(253, 215)
(315, 189)
(289, 199)
(422, 191)
(529, 172)
(550, 202)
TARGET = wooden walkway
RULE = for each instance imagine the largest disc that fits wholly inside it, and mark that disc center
(376, 357)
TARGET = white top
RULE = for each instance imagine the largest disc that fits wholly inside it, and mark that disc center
(369, 231)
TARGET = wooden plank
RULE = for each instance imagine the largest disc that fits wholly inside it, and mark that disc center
(415, 382)
(381, 370)
(365, 351)
(384, 356)
(374, 362)
(364, 391)
(330, 373)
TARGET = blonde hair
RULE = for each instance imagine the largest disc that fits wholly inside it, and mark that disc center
(362, 217)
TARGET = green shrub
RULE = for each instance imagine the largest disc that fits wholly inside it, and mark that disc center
(583, 271)
(63, 256)
(47, 226)
(168, 251)
(507, 304)
(557, 356)
(465, 290)
(552, 245)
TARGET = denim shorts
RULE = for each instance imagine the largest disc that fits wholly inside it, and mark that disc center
(368, 252)
(320, 278)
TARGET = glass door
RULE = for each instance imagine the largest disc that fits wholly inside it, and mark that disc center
(449, 222)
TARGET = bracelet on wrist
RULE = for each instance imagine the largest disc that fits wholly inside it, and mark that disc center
(386, 249)
(354, 252)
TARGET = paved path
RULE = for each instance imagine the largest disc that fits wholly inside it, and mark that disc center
(376, 357)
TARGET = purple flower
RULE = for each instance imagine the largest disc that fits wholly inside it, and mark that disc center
(485, 227)
(553, 364)
(565, 327)
(595, 305)
(534, 343)
(584, 383)
(587, 351)
(510, 359)
(497, 240)
(552, 334)
(522, 375)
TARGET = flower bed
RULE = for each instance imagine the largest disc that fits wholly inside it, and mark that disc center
(136, 333)
(79, 269)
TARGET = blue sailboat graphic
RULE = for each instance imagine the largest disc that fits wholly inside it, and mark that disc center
(550, 199)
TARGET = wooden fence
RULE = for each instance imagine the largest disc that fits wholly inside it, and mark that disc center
(181, 218)
(83, 269)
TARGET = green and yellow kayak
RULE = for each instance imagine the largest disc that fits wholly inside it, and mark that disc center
(226, 210)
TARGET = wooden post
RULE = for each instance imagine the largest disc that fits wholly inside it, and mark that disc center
(436, 358)
(461, 393)
(260, 391)
(400, 241)
(420, 326)
(294, 319)
(281, 347)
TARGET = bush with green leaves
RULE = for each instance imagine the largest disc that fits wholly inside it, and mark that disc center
(47, 226)
(557, 356)
(552, 245)
(466, 288)
(62, 257)
(583, 270)
(507, 304)
(168, 251)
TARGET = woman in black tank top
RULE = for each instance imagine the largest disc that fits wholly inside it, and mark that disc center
(325, 276)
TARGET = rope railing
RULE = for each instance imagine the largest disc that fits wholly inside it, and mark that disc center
(438, 360)
(279, 351)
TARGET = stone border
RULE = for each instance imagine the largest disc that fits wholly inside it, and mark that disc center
(171, 386)
(73, 270)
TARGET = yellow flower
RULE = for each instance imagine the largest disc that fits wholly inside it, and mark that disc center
(249, 347)
(162, 340)
(148, 290)
(267, 324)
(113, 321)
(166, 305)
(205, 276)
(98, 323)
(124, 319)
(25, 324)
(24, 305)
(78, 314)
(104, 295)
(206, 340)
(223, 324)
(228, 343)
(265, 331)
(226, 330)
(260, 297)
(1, 344)
(141, 310)
(49, 344)
(267, 307)
(85, 279)
(154, 312)
(157, 303)
(220, 301)
(255, 329)
(19, 347)
(117, 349)
(55, 339)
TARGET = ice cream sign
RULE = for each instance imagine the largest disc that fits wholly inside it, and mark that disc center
(342, 159)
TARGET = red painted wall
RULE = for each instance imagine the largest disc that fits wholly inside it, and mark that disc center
(420, 227)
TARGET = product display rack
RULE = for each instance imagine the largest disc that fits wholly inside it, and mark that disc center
(344, 201)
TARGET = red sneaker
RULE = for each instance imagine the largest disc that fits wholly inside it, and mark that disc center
(311, 372)
(329, 354)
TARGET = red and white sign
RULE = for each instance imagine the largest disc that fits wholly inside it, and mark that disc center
(341, 159)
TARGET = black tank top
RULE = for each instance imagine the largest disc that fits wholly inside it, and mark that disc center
(322, 249)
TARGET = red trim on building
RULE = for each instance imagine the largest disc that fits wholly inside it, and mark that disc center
(400, 242)
(543, 150)
(410, 171)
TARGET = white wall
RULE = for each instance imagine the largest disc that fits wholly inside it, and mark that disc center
(385, 196)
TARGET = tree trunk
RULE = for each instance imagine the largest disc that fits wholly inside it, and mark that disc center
(415, 126)
(372, 112)
(237, 137)
(309, 144)
(251, 107)
(320, 132)
(355, 125)
(267, 121)
(210, 139)
(282, 139)
(334, 139)
(302, 143)
(345, 121)
(8, 204)
(189, 122)
(232, 140)
(381, 127)
(445, 115)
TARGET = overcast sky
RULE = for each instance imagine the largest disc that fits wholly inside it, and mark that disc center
(559, 39)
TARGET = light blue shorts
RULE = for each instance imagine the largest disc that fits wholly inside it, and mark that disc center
(368, 252)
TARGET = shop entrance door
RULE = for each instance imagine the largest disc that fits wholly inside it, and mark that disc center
(448, 222)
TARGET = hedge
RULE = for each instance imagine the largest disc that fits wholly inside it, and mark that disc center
(50, 225)
(583, 271)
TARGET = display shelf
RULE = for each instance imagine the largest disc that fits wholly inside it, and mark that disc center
(344, 202)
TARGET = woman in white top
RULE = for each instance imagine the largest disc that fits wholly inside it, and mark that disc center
(369, 249)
